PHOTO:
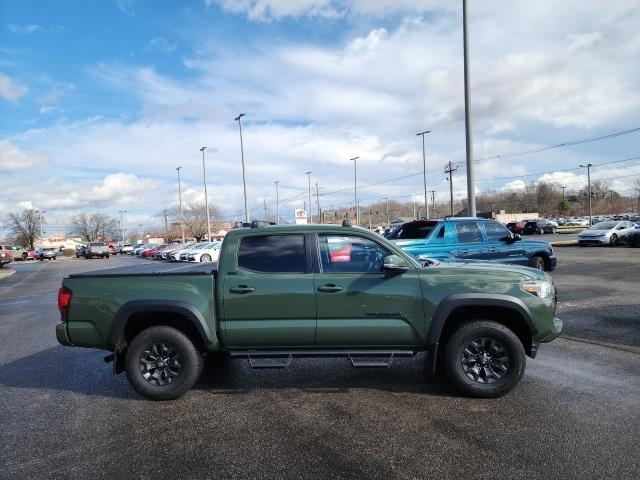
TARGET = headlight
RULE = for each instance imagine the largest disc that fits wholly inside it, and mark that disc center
(540, 288)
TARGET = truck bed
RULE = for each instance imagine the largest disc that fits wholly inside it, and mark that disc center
(153, 269)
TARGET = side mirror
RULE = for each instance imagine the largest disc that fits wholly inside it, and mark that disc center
(395, 265)
(425, 261)
(516, 237)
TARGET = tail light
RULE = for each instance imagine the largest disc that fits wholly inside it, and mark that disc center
(64, 301)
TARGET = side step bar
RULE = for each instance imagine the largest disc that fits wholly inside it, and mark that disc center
(358, 358)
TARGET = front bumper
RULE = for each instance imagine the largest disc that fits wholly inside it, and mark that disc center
(554, 332)
(553, 261)
(593, 241)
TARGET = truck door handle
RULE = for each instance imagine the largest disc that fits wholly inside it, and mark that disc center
(463, 252)
(241, 289)
(330, 288)
(493, 250)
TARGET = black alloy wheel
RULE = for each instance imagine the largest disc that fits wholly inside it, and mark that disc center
(613, 240)
(484, 359)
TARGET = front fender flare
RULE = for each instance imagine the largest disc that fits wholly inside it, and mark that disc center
(456, 300)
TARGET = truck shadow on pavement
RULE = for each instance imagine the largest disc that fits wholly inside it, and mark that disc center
(61, 368)
(224, 376)
(84, 372)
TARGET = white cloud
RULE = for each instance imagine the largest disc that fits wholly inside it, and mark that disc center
(13, 159)
(31, 28)
(160, 44)
(10, 90)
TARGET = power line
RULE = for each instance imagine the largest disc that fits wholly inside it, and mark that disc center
(560, 145)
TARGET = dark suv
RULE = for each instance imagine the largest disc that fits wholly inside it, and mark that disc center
(471, 239)
(538, 227)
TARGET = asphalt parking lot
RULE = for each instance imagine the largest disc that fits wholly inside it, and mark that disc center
(575, 415)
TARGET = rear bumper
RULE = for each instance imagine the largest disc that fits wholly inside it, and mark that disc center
(62, 334)
(553, 261)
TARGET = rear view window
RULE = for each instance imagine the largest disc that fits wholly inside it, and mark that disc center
(413, 231)
(272, 253)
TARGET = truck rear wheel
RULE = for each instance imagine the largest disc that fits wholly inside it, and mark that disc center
(162, 363)
(484, 359)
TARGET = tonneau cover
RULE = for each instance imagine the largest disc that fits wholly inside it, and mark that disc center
(153, 269)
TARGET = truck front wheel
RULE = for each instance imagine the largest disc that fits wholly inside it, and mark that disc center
(162, 363)
(484, 359)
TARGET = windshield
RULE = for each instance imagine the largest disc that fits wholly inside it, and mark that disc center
(604, 226)
(413, 231)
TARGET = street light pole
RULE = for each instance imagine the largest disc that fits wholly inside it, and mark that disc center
(122, 212)
(588, 167)
(180, 203)
(244, 181)
(355, 187)
(424, 172)
(318, 203)
(40, 212)
(206, 198)
(563, 209)
(308, 174)
(277, 203)
(471, 185)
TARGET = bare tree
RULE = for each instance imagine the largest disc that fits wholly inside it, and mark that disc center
(195, 219)
(94, 227)
(25, 227)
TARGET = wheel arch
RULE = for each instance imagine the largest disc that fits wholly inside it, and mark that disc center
(456, 309)
(134, 316)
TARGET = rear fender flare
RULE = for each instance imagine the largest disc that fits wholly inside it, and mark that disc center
(188, 311)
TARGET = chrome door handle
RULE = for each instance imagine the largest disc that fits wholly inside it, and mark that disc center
(241, 289)
(493, 250)
(463, 252)
(329, 288)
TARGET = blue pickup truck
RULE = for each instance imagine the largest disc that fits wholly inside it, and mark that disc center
(471, 239)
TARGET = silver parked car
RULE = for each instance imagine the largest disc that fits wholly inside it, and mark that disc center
(605, 233)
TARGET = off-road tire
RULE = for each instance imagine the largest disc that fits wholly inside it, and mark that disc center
(537, 262)
(460, 342)
(191, 363)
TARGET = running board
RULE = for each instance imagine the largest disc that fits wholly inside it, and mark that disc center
(261, 359)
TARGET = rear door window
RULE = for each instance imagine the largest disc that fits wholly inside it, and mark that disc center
(272, 253)
(468, 232)
(413, 231)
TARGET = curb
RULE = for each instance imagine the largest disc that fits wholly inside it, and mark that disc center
(564, 243)
(6, 273)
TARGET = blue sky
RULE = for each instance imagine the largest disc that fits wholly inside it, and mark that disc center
(100, 101)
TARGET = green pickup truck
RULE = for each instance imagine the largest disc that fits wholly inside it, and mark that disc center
(283, 292)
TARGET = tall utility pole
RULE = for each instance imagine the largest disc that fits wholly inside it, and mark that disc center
(244, 180)
(563, 189)
(318, 204)
(414, 209)
(588, 167)
(424, 172)
(122, 212)
(166, 222)
(277, 203)
(180, 203)
(264, 205)
(433, 200)
(309, 216)
(388, 219)
(206, 198)
(450, 171)
(471, 185)
(355, 187)
(611, 192)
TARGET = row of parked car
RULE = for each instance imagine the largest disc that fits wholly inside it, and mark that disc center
(181, 252)
(533, 227)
